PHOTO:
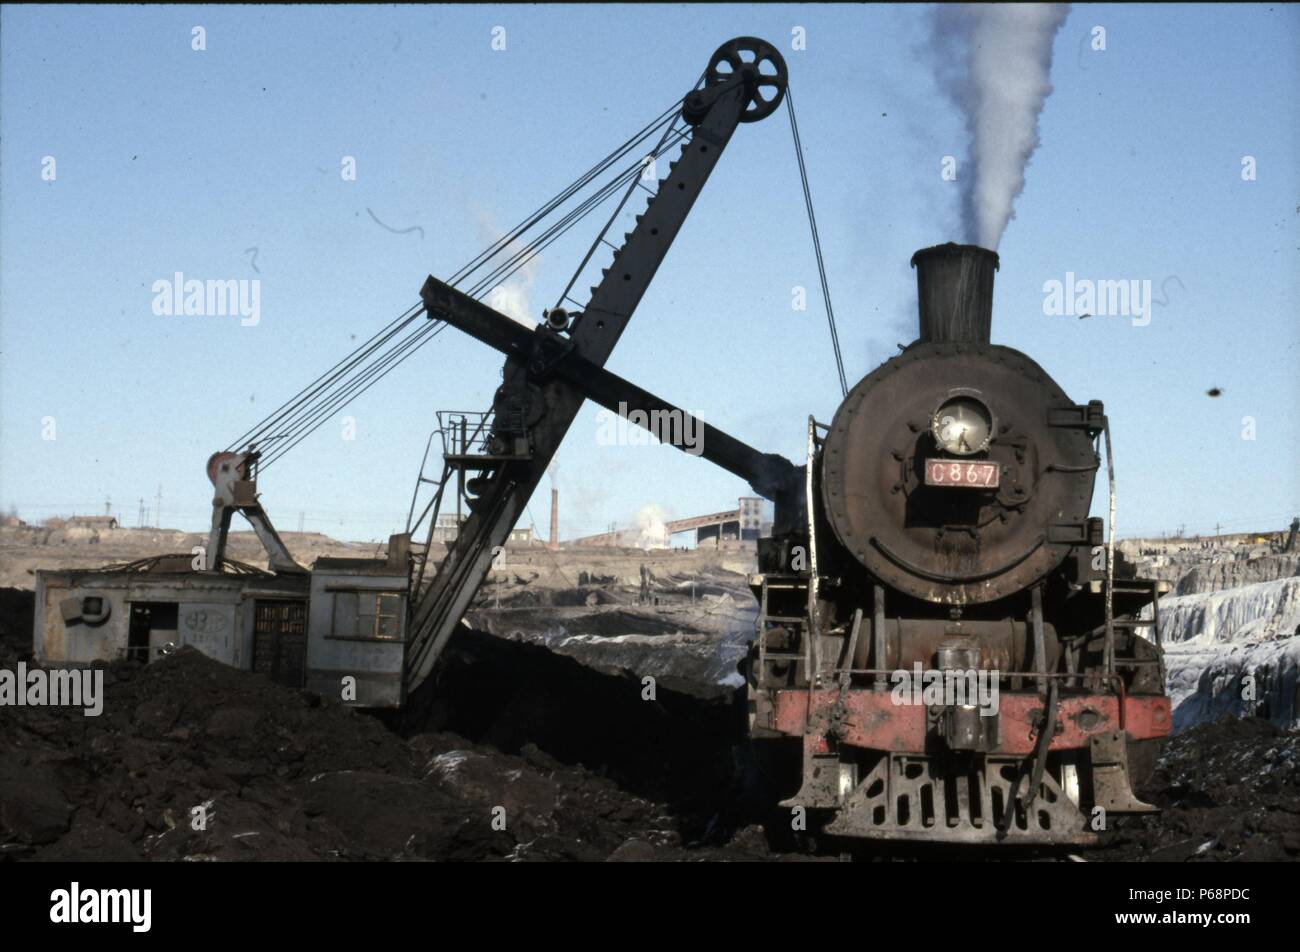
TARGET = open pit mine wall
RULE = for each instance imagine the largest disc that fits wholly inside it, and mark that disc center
(1218, 639)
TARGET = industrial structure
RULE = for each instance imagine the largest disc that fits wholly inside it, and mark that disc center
(742, 524)
(738, 528)
(492, 461)
(242, 616)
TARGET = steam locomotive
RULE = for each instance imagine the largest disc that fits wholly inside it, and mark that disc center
(945, 637)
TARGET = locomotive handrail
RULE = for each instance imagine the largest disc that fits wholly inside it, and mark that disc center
(812, 659)
(1062, 468)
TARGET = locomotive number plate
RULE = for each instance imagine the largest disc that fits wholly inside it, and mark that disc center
(946, 472)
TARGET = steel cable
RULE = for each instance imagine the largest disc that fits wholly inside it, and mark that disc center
(817, 245)
(432, 330)
(344, 380)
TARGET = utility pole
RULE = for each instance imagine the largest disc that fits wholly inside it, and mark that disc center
(301, 517)
(157, 508)
(141, 517)
(1216, 528)
(108, 505)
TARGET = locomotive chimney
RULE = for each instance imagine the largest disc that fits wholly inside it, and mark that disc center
(954, 290)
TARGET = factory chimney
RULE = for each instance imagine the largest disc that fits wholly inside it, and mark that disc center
(954, 291)
(555, 518)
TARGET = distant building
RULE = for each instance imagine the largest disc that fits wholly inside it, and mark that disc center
(742, 524)
(91, 522)
(448, 528)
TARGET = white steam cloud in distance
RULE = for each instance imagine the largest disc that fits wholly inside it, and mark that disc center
(994, 61)
(650, 522)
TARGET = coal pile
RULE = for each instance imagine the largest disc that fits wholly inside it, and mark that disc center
(516, 753)
(676, 748)
(284, 775)
(1228, 791)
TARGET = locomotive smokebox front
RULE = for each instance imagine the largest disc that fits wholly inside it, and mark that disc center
(954, 289)
(958, 472)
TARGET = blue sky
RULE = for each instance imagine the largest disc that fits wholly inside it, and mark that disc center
(170, 159)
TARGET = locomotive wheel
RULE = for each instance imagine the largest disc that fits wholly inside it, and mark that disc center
(764, 69)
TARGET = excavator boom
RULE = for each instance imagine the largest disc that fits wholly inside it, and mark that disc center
(533, 410)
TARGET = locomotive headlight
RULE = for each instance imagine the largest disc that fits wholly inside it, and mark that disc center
(962, 426)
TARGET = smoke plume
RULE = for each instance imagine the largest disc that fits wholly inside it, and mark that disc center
(994, 61)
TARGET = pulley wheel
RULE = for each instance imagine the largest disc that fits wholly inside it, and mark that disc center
(760, 64)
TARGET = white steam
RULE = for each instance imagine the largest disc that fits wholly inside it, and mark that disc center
(994, 61)
(510, 297)
(650, 523)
